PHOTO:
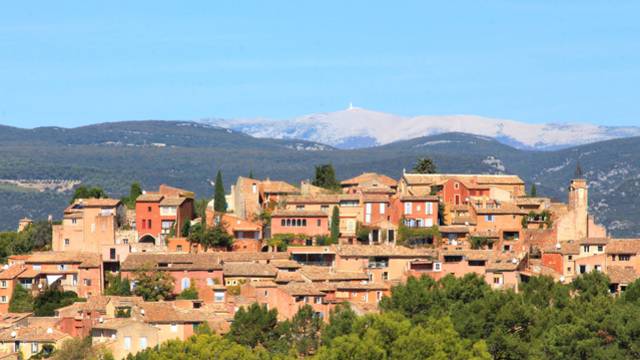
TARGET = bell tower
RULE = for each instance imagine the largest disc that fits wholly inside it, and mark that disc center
(579, 204)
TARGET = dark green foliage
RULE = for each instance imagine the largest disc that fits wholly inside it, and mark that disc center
(117, 286)
(591, 285)
(200, 207)
(80, 349)
(153, 285)
(219, 200)
(335, 225)
(411, 236)
(326, 177)
(210, 236)
(362, 232)
(341, 322)
(21, 300)
(480, 242)
(303, 331)
(88, 192)
(186, 229)
(533, 192)
(130, 200)
(51, 299)
(425, 166)
(190, 293)
(254, 326)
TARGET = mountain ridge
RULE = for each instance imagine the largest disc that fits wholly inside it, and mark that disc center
(357, 127)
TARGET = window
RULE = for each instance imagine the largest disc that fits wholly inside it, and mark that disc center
(624, 257)
(127, 342)
(600, 248)
(3, 299)
(324, 207)
(318, 299)
(254, 188)
(318, 223)
(598, 268)
(143, 342)
(210, 282)
(66, 242)
(378, 295)
(428, 208)
(428, 222)
(383, 208)
(583, 269)
(218, 296)
(407, 208)
(62, 267)
(74, 221)
(304, 222)
(34, 348)
(174, 327)
(3, 284)
(437, 266)
(179, 248)
(585, 248)
(149, 223)
(497, 280)
(186, 282)
(87, 282)
(148, 208)
(385, 276)
(488, 218)
(283, 222)
(299, 207)
(456, 186)
(569, 269)
(570, 257)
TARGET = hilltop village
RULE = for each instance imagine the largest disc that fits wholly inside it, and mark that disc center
(157, 267)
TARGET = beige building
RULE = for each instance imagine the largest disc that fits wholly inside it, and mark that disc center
(30, 341)
(124, 336)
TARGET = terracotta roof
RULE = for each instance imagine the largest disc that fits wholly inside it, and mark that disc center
(360, 286)
(29, 274)
(301, 289)
(99, 302)
(262, 284)
(277, 187)
(298, 213)
(419, 198)
(621, 275)
(166, 312)
(172, 201)
(594, 241)
(470, 254)
(105, 202)
(85, 259)
(371, 198)
(285, 264)
(481, 179)
(503, 264)
(289, 276)
(228, 257)
(463, 220)
(32, 334)
(382, 250)
(323, 273)
(12, 272)
(369, 176)
(249, 270)
(623, 246)
(566, 248)
(235, 223)
(149, 197)
(172, 261)
(117, 323)
(487, 234)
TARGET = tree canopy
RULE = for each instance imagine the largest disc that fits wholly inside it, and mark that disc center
(425, 166)
(219, 200)
(88, 192)
(326, 177)
(153, 285)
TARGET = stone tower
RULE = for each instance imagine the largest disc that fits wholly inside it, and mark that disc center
(579, 204)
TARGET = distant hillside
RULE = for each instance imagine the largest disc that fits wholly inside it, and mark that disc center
(357, 128)
(188, 154)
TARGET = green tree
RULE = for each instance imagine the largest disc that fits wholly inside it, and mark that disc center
(21, 300)
(52, 299)
(590, 285)
(219, 200)
(190, 293)
(153, 285)
(341, 320)
(533, 192)
(335, 225)
(254, 326)
(425, 166)
(84, 192)
(326, 177)
(80, 349)
(305, 331)
(117, 285)
(186, 229)
(130, 200)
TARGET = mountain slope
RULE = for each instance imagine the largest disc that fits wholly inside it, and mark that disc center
(357, 128)
(115, 154)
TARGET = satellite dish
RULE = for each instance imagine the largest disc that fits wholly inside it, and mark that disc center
(49, 331)
(13, 334)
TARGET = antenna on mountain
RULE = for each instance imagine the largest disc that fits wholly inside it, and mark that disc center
(578, 173)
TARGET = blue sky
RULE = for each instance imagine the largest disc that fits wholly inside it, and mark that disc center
(73, 63)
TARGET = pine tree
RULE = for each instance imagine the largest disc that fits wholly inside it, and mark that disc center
(219, 200)
(335, 225)
(251, 174)
(425, 166)
(326, 177)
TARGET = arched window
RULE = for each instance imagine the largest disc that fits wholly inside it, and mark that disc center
(186, 283)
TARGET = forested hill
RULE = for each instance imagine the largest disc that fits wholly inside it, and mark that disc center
(187, 154)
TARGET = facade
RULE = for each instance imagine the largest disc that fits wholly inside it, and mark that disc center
(162, 213)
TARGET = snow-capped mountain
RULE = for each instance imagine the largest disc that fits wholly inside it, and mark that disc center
(357, 128)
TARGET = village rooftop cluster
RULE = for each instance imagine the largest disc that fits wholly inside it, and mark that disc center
(286, 246)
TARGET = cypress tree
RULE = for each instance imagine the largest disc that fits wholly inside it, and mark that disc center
(534, 191)
(335, 225)
(219, 201)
